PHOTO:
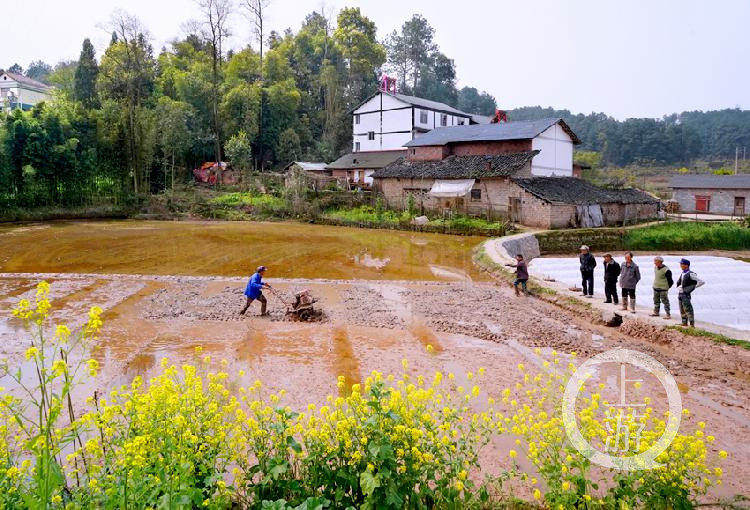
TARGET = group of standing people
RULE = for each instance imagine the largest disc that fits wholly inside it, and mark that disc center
(628, 275)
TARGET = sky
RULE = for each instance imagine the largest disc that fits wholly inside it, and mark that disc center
(633, 58)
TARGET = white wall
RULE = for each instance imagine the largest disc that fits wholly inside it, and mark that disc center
(392, 124)
(556, 156)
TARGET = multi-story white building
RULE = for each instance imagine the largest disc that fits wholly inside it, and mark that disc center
(386, 121)
(383, 123)
(18, 91)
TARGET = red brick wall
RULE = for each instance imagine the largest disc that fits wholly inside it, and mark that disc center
(429, 153)
(438, 152)
(489, 148)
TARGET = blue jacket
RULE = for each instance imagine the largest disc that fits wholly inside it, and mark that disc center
(254, 286)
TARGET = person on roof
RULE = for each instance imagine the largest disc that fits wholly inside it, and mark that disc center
(254, 290)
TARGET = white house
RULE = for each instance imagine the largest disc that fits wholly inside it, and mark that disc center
(386, 121)
(18, 91)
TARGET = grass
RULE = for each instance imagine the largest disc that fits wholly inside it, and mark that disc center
(689, 235)
(238, 199)
(711, 335)
(371, 216)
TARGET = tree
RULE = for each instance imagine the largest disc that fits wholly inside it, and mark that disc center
(438, 80)
(288, 148)
(411, 50)
(470, 100)
(215, 25)
(62, 77)
(39, 71)
(362, 54)
(126, 76)
(256, 12)
(16, 69)
(173, 120)
(86, 75)
(240, 152)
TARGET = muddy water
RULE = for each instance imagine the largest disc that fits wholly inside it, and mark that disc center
(291, 250)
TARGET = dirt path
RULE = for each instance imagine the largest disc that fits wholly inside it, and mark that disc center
(372, 325)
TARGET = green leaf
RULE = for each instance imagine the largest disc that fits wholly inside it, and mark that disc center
(368, 482)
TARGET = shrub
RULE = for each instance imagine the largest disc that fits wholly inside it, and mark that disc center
(689, 235)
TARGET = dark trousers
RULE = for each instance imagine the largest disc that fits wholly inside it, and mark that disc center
(610, 291)
(587, 281)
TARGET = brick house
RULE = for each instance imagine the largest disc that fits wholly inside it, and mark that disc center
(476, 185)
(569, 202)
(712, 194)
(501, 170)
(552, 140)
(357, 168)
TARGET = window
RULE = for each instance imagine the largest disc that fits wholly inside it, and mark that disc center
(443, 119)
(371, 135)
(423, 116)
(476, 195)
(356, 119)
(413, 152)
(356, 146)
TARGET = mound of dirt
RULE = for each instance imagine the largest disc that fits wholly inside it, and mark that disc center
(646, 331)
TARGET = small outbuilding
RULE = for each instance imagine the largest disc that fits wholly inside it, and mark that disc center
(357, 168)
(569, 202)
(712, 194)
(314, 175)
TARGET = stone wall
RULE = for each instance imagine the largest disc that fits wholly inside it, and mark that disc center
(600, 240)
(722, 201)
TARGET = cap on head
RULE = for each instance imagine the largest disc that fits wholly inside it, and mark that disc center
(584, 247)
(260, 269)
(659, 258)
(685, 262)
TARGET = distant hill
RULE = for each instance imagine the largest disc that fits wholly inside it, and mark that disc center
(674, 139)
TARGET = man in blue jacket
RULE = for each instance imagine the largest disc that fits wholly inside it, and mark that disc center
(254, 290)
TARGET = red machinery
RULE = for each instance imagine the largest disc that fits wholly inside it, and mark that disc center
(500, 116)
(209, 172)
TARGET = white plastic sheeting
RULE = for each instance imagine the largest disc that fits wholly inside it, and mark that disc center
(451, 188)
(724, 299)
(589, 216)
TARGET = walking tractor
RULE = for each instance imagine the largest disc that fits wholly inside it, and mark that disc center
(302, 308)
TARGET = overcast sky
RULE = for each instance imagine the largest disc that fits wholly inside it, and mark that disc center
(633, 58)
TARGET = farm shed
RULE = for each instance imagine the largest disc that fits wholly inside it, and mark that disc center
(712, 194)
(567, 202)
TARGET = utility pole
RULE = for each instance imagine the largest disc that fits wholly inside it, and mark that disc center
(736, 154)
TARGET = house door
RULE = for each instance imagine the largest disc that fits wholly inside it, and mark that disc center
(702, 203)
(514, 205)
(739, 206)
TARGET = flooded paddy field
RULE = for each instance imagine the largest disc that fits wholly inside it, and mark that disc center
(291, 250)
(162, 303)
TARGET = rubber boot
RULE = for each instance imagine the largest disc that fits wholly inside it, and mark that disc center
(263, 308)
(625, 302)
(632, 305)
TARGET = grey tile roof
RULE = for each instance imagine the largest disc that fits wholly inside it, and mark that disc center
(26, 81)
(710, 181)
(458, 167)
(572, 190)
(518, 130)
(370, 159)
(308, 166)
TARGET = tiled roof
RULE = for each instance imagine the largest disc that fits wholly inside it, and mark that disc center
(710, 181)
(572, 190)
(458, 167)
(518, 130)
(26, 81)
(308, 166)
(373, 159)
